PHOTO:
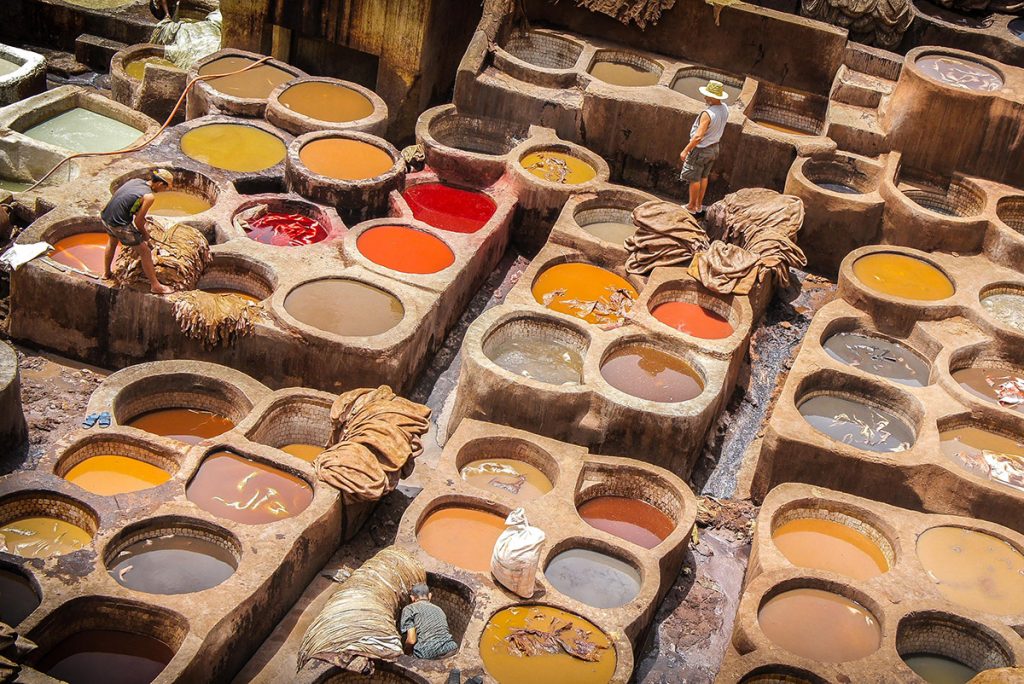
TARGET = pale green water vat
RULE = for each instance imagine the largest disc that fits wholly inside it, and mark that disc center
(8, 67)
(13, 186)
(82, 130)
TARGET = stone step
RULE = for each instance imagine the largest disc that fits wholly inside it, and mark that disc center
(855, 129)
(860, 89)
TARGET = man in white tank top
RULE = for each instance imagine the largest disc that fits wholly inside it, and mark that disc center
(700, 153)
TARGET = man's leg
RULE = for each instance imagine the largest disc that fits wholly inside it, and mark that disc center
(146, 258)
(108, 255)
(695, 195)
(703, 191)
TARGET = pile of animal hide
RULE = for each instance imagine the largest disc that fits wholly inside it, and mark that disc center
(189, 41)
(358, 623)
(558, 636)
(874, 22)
(640, 12)
(666, 235)
(376, 438)
(180, 255)
(215, 319)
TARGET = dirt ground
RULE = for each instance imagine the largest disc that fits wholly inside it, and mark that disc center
(688, 639)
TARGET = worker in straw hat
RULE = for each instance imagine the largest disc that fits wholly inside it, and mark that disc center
(700, 153)
(124, 217)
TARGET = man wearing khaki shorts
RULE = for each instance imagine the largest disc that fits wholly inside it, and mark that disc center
(700, 153)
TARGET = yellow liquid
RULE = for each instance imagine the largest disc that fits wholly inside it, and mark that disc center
(233, 147)
(256, 83)
(574, 288)
(903, 276)
(43, 537)
(307, 452)
(176, 203)
(137, 68)
(829, 545)
(110, 475)
(518, 479)
(974, 569)
(330, 102)
(558, 167)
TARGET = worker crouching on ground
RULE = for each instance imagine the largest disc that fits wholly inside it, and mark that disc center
(700, 153)
(425, 626)
(124, 217)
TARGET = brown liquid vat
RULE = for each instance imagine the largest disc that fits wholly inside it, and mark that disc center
(243, 94)
(35, 523)
(153, 90)
(312, 104)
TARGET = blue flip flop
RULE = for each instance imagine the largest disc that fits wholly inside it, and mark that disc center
(104, 419)
(90, 420)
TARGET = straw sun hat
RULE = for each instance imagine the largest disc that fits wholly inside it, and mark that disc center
(714, 89)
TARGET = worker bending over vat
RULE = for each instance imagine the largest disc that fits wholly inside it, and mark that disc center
(125, 217)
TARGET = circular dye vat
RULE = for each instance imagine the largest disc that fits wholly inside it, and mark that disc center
(593, 578)
(634, 520)
(538, 358)
(694, 320)
(255, 83)
(42, 537)
(518, 479)
(1005, 307)
(960, 73)
(82, 251)
(449, 208)
(841, 188)
(879, 356)
(558, 167)
(174, 203)
(985, 453)
(550, 663)
(610, 231)
(462, 536)
(190, 426)
(995, 385)
(246, 491)
(345, 159)
(137, 67)
(405, 249)
(345, 307)
(585, 291)
(820, 626)
(974, 569)
(782, 128)
(623, 74)
(17, 597)
(651, 374)
(330, 102)
(307, 452)
(936, 669)
(108, 656)
(172, 564)
(233, 147)
(109, 475)
(899, 275)
(857, 424)
(829, 545)
(285, 230)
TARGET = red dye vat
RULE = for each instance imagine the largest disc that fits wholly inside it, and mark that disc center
(286, 230)
(450, 208)
(693, 319)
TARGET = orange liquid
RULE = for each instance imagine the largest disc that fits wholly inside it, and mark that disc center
(42, 537)
(828, 545)
(558, 167)
(575, 288)
(177, 203)
(820, 626)
(111, 475)
(693, 319)
(185, 425)
(255, 83)
(307, 452)
(974, 569)
(345, 159)
(405, 249)
(249, 492)
(82, 251)
(330, 102)
(902, 276)
(782, 128)
(518, 479)
(461, 536)
(560, 667)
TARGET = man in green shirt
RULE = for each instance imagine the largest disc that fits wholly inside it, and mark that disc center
(425, 626)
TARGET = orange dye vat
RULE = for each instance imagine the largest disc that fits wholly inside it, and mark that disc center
(82, 251)
(246, 491)
(307, 452)
(405, 249)
(109, 475)
(829, 545)
(461, 536)
(693, 319)
(634, 520)
(185, 425)
(345, 159)
(903, 276)
(820, 626)
(331, 102)
(255, 83)
(585, 291)
(974, 569)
